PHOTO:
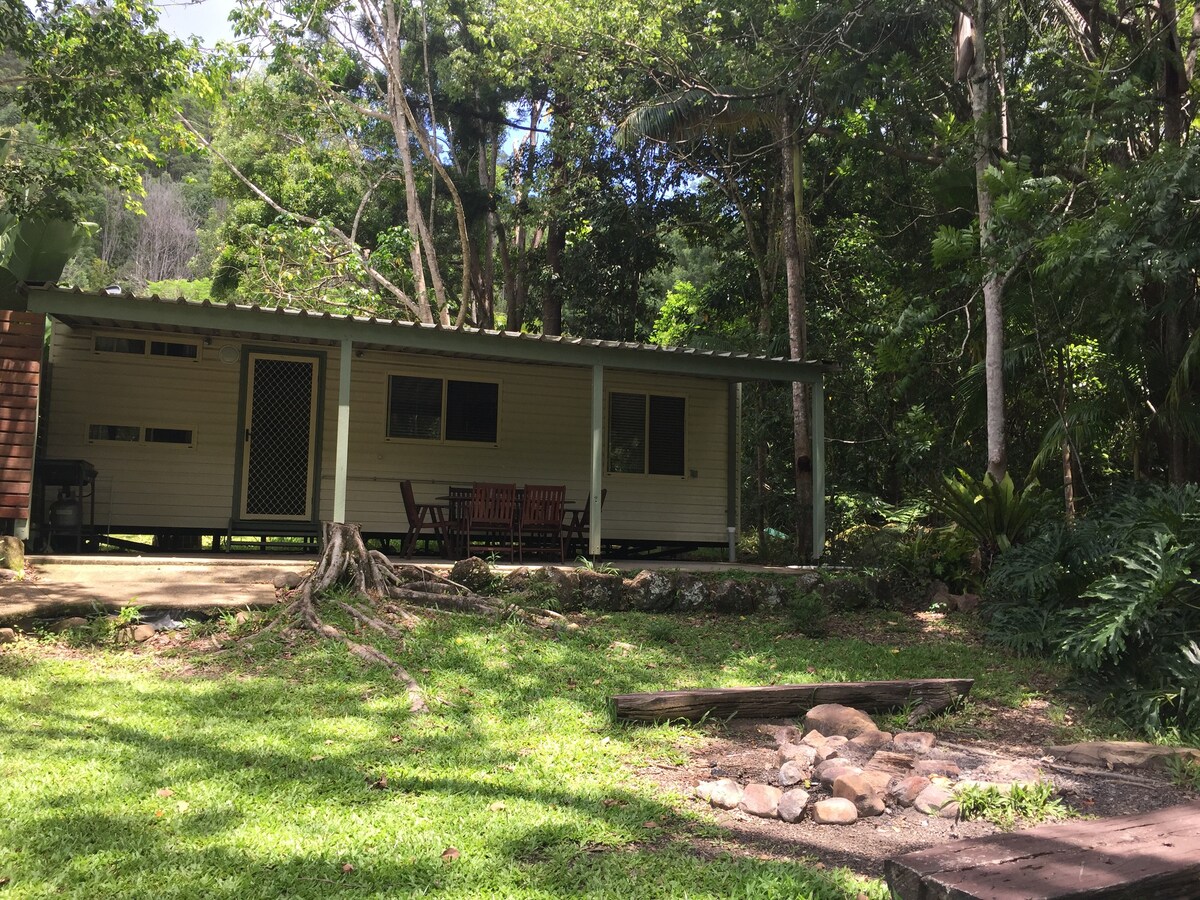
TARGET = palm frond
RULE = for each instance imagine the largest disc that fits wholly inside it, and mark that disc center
(694, 115)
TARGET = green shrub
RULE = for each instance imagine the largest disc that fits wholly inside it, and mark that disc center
(1118, 597)
(1029, 804)
(994, 512)
(900, 545)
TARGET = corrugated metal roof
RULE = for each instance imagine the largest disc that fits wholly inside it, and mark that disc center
(74, 305)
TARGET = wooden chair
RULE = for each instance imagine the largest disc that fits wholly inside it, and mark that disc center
(491, 516)
(581, 520)
(423, 518)
(542, 519)
(460, 501)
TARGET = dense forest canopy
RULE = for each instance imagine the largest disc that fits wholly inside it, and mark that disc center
(970, 210)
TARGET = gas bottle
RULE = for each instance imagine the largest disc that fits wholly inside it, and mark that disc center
(66, 513)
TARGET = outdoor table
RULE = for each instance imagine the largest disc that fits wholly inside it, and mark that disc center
(576, 513)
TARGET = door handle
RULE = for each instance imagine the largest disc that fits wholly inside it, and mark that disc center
(247, 435)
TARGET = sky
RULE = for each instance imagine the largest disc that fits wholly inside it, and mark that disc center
(206, 19)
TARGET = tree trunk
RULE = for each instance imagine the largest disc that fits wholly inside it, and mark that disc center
(794, 253)
(925, 695)
(979, 83)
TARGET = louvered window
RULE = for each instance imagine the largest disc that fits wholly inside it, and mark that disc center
(646, 434)
(443, 409)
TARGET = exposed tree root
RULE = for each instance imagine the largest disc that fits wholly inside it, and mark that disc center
(345, 561)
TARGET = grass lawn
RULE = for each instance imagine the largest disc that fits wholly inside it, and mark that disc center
(138, 775)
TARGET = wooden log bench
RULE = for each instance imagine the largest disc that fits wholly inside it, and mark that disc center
(1149, 856)
(778, 701)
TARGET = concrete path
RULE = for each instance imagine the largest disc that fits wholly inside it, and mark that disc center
(62, 588)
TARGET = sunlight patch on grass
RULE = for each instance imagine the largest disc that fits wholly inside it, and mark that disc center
(122, 775)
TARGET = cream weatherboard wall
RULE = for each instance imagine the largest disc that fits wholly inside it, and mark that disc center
(544, 436)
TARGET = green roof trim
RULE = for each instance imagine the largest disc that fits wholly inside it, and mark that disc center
(117, 310)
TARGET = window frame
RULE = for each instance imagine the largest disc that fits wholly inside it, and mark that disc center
(142, 430)
(441, 439)
(148, 340)
(645, 395)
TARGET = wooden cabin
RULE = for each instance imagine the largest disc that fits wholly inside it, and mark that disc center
(223, 419)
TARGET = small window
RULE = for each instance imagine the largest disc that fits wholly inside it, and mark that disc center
(135, 346)
(169, 436)
(114, 433)
(107, 343)
(175, 349)
(437, 409)
(472, 408)
(415, 407)
(646, 434)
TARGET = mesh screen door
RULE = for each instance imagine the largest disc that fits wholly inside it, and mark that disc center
(280, 430)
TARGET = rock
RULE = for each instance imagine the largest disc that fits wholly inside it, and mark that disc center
(704, 790)
(691, 593)
(12, 553)
(906, 790)
(936, 801)
(780, 734)
(833, 746)
(834, 719)
(564, 584)
(792, 804)
(888, 761)
(287, 581)
(761, 800)
(726, 793)
(7, 635)
(599, 590)
(913, 742)
(860, 792)
(732, 596)
(878, 780)
(473, 573)
(936, 767)
(871, 740)
(70, 623)
(937, 592)
(964, 603)
(800, 753)
(518, 579)
(1135, 754)
(792, 772)
(813, 738)
(651, 591)
(828, 771)
(143, 633)
(1023, 771)
(242, 617)
(835, 811)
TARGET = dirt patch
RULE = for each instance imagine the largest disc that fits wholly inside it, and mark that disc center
(739, 752)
